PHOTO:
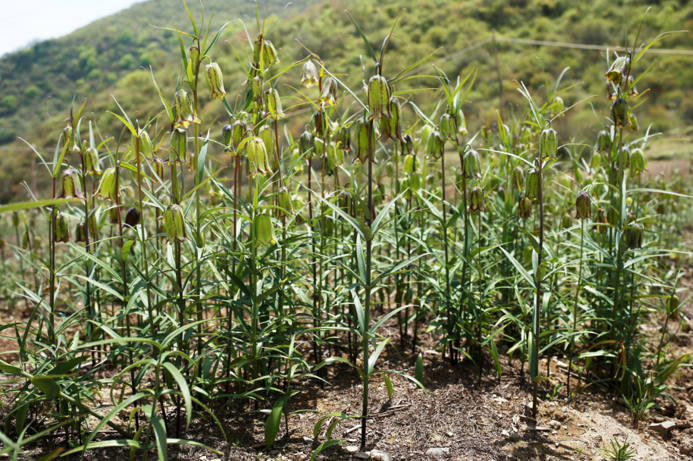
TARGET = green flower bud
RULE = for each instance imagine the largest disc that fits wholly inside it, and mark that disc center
(476, 200)
(378, 98)
(524, 208)
(144, 142)
(332, 161)
(619, 113)
(461, 123)
(344, 139)
(257, 157)
(518, 178)
(532, 184)
(93, 226)
(630, 87)
(548, 144)
(71, 186)
(285, 203)
(215, 80)
(448, 130)
(70, 140)
(634, 236)
(596, 160)
(407, 144)
(557, 106)
(132, 217)
(237, 133)
(566, 222)
(183, 109)
(471, 165)
(673, 303)
(306, 144)
(178, 149)
(15, 219)
(638, 164)
(60, 230)
(174, 224)
(274, 103)
(602, 220)
(309, 75)
(194, 60)
(264, 230)
(328, 95)
(81, 232)
(265, 50)
(267, 136)
(91, 161)
(409, 163)
(583, 206)
(618, 70)
(226, 138)
(435, 145)
(25, 240)
(363, 126)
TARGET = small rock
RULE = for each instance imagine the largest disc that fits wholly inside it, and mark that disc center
(362, 455)
(564, 409)
(505, 433)
(308, 440)
(240, 419)
(380, 456)
(514, 437)
(437, 452)
(553, 424)
(352, 448)
(662, 428)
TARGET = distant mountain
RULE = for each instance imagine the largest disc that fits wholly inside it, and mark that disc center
(105, 58)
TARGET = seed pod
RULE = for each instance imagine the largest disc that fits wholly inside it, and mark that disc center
(71, 186)
(306, 144)
(566, 222)
(363, 126)
(619, 113)
(328, 95)
(378, 97)
(618, 70)
(274, 103)
(91, 161)
(285, 203)
(476, 200)
(183, 109)
(395, 122)
(596, 160)
(237, 134)
(264, 229)
(673, 303)
(70, 140)
(638, 164)
(448, 131)
(603, 142)
(215, 80)
(409, 163)
(461, 123)
(60, 230)
(267, 137)
(548, 144)
(524, 208)
(194, 59)
(407, 144)
(602, 220)
(471, 165)
(257, 157)
(15, 219)
(435, 145)
(309, 75)
(518, 178)
(178, 149)
(345, 200)
(132, 217)
(583, 206)
(25, 240)
(532, 184)
(174, 224)
(81, 232)
(634, 236)
(344, 139)
(265, 50)
(144, 142)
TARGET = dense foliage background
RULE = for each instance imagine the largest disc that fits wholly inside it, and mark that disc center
(108, 57)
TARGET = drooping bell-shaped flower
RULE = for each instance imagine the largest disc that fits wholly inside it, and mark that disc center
(471, 165)
(344, 139)
(285, 203)
(524, 208)
(183, 109)
(174, 224)
(476, 200)
(264, 229)
(132, 217)
(91, 161)
(378, 96)
(215, 80)
(107, 187)
(309, 74)
(274, 103)
(619, 113)
(71, 186)
(61, 232)
(257, 157)
(618, 70)
(583, 206)
(328, 95)
(178, 149)
(548, 144)
(532, 184)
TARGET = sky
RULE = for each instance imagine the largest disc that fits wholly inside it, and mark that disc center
(25, 21)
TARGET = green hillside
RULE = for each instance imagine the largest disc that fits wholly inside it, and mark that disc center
(106, 58)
